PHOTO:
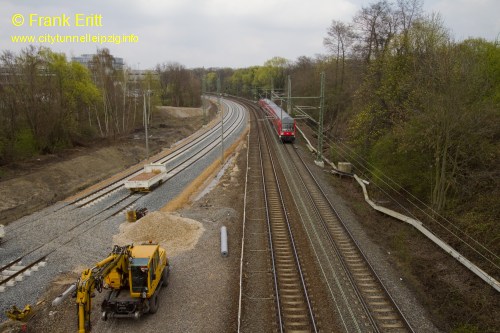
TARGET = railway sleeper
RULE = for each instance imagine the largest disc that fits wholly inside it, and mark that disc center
(388, 318)
(348, 248)
(359, 271)
(289, 284)
(296, 323)
(301, 316)
(383, 310)
(379, 296)
(365, 277)
(283, 250)
(355, 262)
(294, 302)
(360, 264)
(394, 325)
(287, 266)
(292, 293)
(372, 291)
(384, 303)
(290, 276)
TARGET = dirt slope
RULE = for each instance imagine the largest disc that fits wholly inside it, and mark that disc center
(31, 185)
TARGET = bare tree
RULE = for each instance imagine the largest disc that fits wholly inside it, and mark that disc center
(375, 26)
(407, 12)
(340, 39)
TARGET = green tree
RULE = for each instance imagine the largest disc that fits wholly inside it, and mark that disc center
(272, 75)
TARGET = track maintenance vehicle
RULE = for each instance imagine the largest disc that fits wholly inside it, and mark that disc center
(152, 175)
(134, 275)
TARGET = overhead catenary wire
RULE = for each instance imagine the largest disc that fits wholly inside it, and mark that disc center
(423, 203)
(350, 155)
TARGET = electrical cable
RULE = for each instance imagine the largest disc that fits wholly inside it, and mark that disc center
(349, 154)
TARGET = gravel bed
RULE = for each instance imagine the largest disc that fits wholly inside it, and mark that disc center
(203, 289)
(413, 310)
(93, 240)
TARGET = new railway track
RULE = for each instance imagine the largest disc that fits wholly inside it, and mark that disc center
(178, 160)
(115, 186)
(90, 219)
(195, 146)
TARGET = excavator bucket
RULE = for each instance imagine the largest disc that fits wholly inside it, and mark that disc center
(15, 314)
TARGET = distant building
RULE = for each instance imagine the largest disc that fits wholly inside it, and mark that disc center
(85, 60)
(140, 74)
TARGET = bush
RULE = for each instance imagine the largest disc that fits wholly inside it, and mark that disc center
(25, 144)
(401, 163)
(465, 328)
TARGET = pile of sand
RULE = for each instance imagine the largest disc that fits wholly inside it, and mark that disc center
(174, 233)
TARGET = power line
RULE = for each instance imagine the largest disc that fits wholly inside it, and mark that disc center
(349, 154)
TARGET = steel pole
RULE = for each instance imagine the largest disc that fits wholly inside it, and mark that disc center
(321, 112)
(146, 126)
(221, 120)
(203, 91)
(289, 97)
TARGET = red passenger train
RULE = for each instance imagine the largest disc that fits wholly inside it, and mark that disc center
(282, 122)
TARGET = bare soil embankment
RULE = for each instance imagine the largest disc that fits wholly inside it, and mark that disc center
(28, 186)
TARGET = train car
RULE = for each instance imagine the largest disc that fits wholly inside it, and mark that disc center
(282, 122)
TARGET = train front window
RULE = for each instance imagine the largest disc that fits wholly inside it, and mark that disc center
(287, 128)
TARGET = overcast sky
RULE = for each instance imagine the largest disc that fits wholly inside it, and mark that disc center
(219, 33)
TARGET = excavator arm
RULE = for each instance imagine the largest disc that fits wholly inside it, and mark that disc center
(92, 279)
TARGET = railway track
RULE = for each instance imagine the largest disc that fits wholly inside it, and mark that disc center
(374, 297)
(358, 301)
(191, 151)
(106, 202)
(292, 304)
(256, 305)
(15, 271)
(114, 194)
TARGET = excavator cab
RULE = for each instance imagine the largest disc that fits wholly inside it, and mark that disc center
(147, 271)
(147, 263)
(133, 274)
(139, 275)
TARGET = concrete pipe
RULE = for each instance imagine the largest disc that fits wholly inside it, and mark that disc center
(58, 300)
(223, 242)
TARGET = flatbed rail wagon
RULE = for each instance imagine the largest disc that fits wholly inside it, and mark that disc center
(153, 175)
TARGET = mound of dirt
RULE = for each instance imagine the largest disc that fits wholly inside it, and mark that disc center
(174, 233)
(181, 112)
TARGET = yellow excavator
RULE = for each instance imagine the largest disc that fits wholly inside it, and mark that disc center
(134, 275)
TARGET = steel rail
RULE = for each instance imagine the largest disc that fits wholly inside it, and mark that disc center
(21, 271)
(10, 264)
(255, 266)
(238, 119)
(178, 151)
(381, 323)
(281, 209)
